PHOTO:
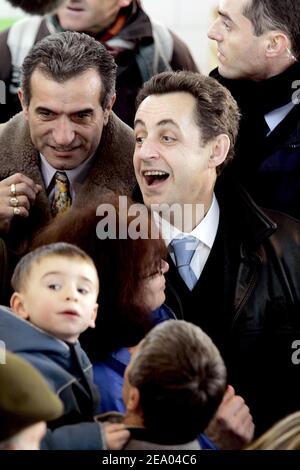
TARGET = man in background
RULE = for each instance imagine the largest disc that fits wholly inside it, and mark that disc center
(140, 47)
(258, 51)
(36, 7)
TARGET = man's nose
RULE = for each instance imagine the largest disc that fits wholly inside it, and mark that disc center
(148, 150)
(214, 33)
(63, 132)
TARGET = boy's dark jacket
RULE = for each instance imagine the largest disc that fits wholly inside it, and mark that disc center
(68, 371)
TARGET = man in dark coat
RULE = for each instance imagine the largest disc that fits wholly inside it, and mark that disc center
(241, 281)
(258, 52)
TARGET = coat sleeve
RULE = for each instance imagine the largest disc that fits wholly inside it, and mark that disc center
(5, 58)
(5, 73)
(81, 436)
(5, 277)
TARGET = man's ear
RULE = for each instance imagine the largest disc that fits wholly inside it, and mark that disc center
(277, 43)
(17, 305)
(108, 109)
(125, 3)
(219, 151)
(22, 101)
(92, 323)
(133, 401)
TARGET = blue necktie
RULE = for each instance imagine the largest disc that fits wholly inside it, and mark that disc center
(184, 249)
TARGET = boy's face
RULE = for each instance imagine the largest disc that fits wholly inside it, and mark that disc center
(59, 297)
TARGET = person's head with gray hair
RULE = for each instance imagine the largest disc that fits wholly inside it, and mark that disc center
(282, 15)
(63, 56)
(175, 382)
(67, 94)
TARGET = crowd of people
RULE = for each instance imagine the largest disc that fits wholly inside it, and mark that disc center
(153, 212)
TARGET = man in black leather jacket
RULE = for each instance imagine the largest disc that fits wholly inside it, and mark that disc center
(258, 61)
(246, 265)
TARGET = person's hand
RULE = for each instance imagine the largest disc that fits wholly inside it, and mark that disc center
(116, 435)
(232, 427)
(17, 193)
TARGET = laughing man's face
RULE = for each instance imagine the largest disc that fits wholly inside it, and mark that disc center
(171, 163)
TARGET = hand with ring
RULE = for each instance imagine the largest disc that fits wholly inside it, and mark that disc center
(14, 201)
(17, 194)
(13, 190)
(16, 211)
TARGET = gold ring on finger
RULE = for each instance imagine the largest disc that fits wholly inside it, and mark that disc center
(14, 201)
(16, 211)
(13, 190)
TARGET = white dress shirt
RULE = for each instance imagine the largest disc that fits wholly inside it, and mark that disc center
(273, 118)
(76, 176)
(205, 232)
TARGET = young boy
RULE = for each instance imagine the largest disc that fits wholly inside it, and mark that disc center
(55, 299)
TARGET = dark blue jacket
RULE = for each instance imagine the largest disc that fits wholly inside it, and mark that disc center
(109, 375)
(68, 371)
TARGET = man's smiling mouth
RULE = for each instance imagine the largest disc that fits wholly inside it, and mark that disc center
(154, 177)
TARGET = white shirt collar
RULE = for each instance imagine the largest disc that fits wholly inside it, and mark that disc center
(205, 231)
(76, 175)
(277, 115)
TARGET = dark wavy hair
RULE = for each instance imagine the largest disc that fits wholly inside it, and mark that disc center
(181, 378)
(37, 7)
(216, 111)
(122, 264)
(63, 56)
